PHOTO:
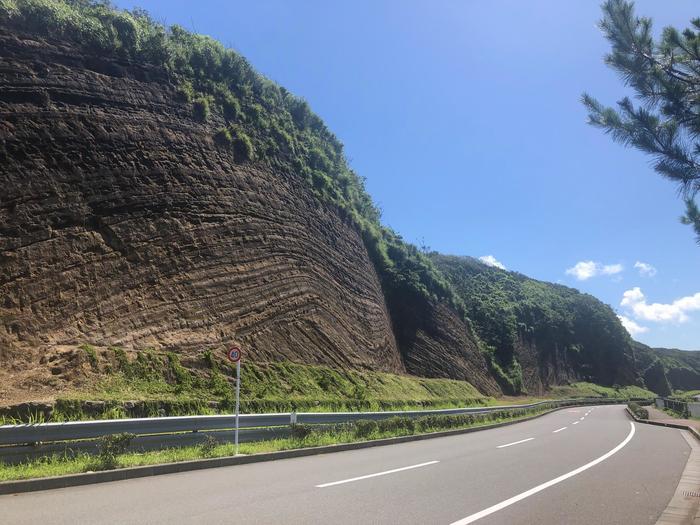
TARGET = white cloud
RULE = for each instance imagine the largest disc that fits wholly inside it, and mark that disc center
(645, 269)
(632, 327)
(677, 311)
(584, 270)
(490, 260)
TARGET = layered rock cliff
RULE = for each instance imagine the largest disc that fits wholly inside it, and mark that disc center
(123, 222)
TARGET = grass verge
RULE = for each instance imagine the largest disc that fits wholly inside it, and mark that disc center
(149, 383)
(584, 389)
(303, 436)
(639, 411)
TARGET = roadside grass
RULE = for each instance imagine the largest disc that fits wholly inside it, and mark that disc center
(584, 389)
(303, 436)
(149, 383)
(674, 413)
(685, 395)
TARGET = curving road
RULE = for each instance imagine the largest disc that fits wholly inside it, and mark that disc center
(575, 466)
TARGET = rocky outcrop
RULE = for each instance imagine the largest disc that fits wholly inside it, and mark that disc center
(122, 222)
(436, 342)
(543, 367)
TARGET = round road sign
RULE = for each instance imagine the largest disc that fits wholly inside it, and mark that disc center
(234, 354)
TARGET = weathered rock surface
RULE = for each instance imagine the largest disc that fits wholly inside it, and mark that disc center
(123, 223)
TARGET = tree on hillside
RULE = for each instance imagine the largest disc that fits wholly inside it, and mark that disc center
(665, 76)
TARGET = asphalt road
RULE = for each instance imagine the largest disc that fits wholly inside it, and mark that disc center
(600, 470)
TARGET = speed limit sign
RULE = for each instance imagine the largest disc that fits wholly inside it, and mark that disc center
(234, 354)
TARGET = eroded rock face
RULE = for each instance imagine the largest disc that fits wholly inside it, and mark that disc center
(123, 223)
(435, 342)
(543, 364)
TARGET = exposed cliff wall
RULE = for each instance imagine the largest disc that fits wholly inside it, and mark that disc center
(124, 222)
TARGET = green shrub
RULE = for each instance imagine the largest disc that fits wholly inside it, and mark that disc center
(223, 137)
(200, 109)
(256, 113)
(123, 364)
(397, 424)
(243, 147)
(300, 431)
(639, 411)
(91, 354)
(179, 372)
(365, 428)
(209, 446)
(185, 92)
(359, 392)
(230, 106)
(110, 448)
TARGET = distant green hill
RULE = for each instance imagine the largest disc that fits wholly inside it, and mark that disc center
(667, 369)
(559, 332)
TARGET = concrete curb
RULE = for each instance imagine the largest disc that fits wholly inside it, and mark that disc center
(72, 480)
(684, 507)
(660, 424)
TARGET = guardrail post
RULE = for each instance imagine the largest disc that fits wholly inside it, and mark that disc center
(293, 418)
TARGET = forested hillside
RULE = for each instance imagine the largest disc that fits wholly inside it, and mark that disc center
(553, 332)
(668, 369)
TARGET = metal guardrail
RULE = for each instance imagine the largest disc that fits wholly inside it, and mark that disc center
(81, 430)
(684, 408)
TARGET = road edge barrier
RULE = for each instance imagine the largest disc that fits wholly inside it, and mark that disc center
(88, 478)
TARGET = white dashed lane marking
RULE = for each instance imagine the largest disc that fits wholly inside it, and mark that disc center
(392, 471)
(514, 443)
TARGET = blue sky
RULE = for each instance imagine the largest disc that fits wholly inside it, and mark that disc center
(465, 119)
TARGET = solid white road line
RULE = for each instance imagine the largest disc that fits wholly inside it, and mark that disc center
(546, 485)
(514, 443)
(559, 430)
(375, 475)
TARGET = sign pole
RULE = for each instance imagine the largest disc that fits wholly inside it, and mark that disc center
(234, 355)
(238, 394)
